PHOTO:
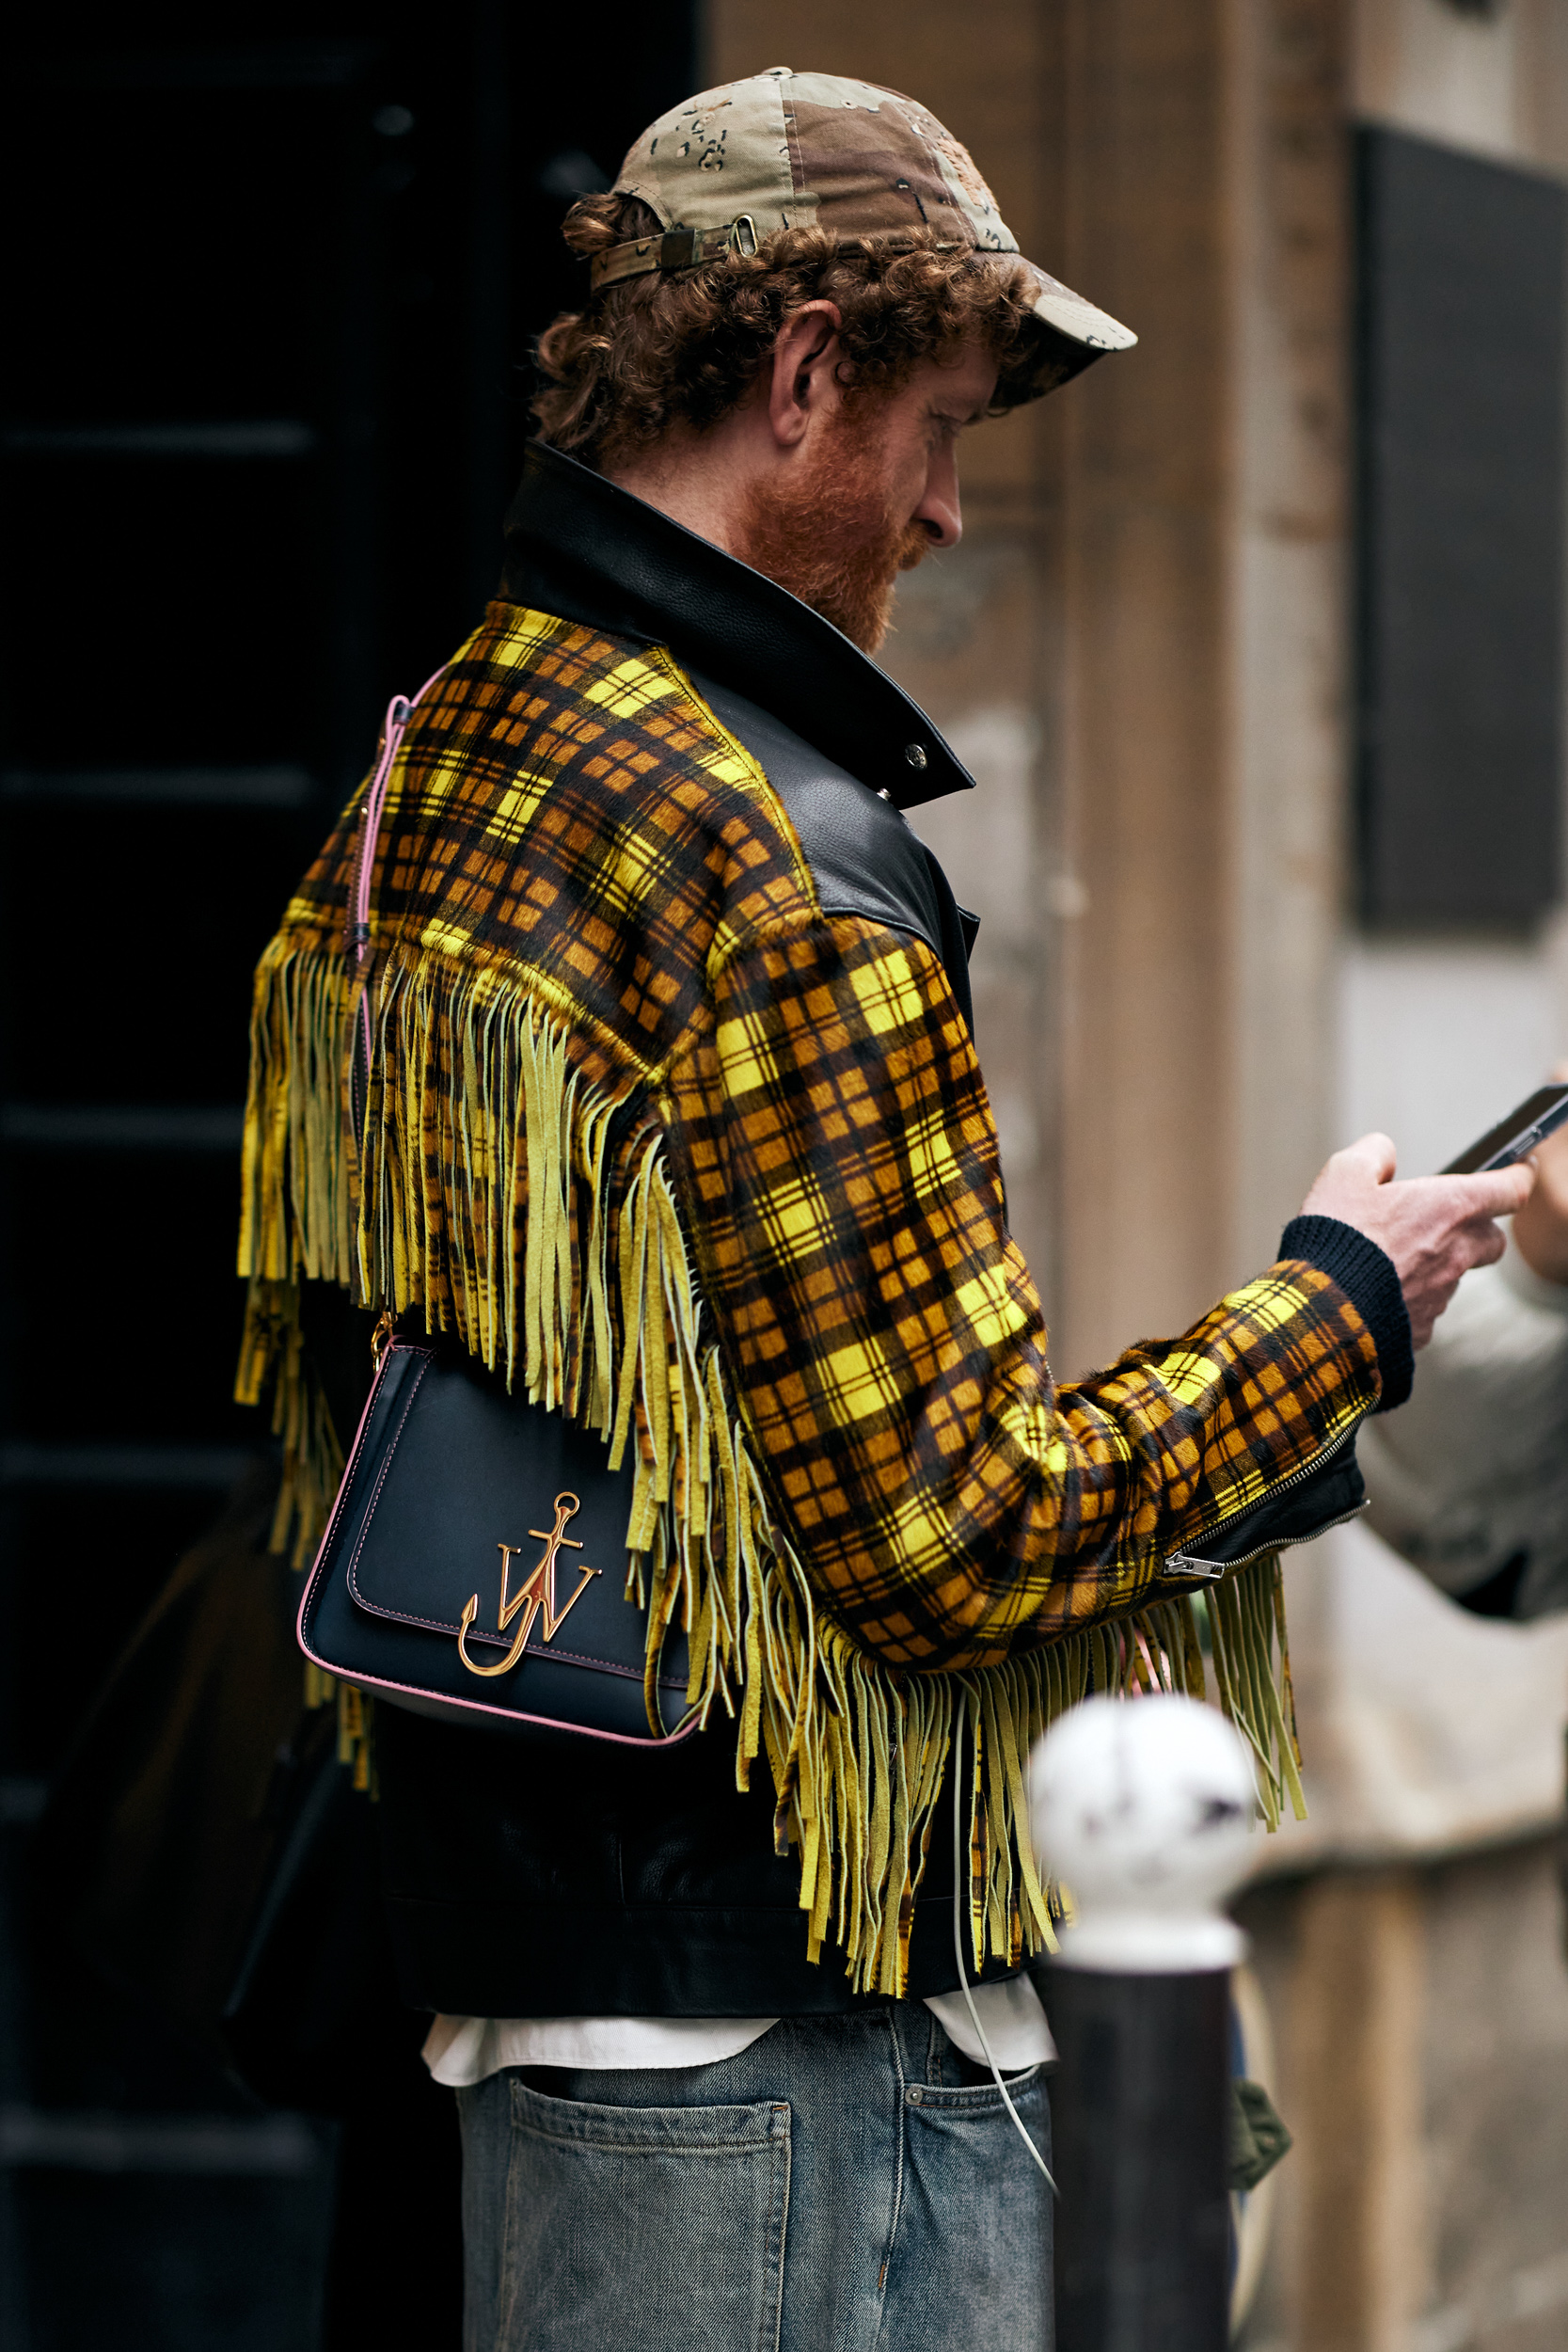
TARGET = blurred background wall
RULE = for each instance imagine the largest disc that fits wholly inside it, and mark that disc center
(1237, 905)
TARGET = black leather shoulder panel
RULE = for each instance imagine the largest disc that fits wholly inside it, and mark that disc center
(864, 856)
(584, 549)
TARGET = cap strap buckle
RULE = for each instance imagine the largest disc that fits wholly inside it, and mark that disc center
(689, 249)
(677, 249)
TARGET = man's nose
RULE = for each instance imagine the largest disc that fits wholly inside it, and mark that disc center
(939, 510)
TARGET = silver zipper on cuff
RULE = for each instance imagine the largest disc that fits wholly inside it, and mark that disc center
(1209, 1571)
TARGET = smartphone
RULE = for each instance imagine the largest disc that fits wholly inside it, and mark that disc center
(1516, 1136)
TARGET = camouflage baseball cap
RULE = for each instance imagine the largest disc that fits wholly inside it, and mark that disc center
(785, 151)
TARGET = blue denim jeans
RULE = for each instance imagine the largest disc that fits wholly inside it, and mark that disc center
(842, 2185)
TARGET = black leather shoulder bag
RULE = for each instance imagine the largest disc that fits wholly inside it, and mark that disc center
(474, 1564)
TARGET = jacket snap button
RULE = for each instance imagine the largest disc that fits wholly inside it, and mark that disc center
(916, 755)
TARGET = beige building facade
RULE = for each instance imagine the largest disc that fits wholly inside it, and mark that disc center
(1142, 651)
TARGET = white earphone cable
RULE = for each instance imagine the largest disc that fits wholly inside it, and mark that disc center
(958, 1953)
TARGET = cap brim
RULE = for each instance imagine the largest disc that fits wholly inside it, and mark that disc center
(1073, 334)
(1079, 321)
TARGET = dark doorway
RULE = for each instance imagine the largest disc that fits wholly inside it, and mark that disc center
(275, 273)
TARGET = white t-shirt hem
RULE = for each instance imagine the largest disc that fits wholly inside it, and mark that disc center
(462, 2051)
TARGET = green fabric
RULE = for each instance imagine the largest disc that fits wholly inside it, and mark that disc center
(1257, 2137)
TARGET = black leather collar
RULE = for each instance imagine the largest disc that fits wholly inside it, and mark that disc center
(585, 550)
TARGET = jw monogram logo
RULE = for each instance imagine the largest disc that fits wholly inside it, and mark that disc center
(536, 1593)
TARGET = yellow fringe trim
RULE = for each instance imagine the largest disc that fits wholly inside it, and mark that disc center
(356, 1719)
(489, 1120)
(273, 1348)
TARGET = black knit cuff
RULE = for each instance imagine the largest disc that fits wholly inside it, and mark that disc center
(1366, 1275)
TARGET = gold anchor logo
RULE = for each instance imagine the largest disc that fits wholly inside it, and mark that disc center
(537, 1590)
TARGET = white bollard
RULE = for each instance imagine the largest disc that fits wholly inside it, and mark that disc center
(1144, 1810)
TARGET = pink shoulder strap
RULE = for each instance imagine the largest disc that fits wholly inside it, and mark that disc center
(356, 934)
(356, 930)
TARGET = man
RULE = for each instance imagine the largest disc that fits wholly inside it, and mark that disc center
(1470, 1481)
(720, 2081)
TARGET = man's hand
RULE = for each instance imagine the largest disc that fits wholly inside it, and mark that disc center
(1541, 1228)
(1434, 1228)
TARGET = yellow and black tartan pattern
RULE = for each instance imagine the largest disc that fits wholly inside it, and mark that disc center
(716, 1175)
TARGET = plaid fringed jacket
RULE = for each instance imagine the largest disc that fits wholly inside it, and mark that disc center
(691, 1142)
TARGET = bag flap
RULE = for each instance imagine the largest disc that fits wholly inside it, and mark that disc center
(476, 1515)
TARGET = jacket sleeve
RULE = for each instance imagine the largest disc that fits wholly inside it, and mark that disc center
(1470, 1481)
(837, 1161)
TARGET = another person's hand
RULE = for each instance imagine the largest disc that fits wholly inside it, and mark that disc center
(1541, 1228)
(1434, 1228)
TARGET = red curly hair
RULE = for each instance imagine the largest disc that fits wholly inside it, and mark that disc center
(684, 348)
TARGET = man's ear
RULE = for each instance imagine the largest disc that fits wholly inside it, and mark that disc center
(805, 370)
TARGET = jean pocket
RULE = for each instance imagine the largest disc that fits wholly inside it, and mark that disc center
(658, 2228)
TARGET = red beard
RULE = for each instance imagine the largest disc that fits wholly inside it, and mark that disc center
(829, 539)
